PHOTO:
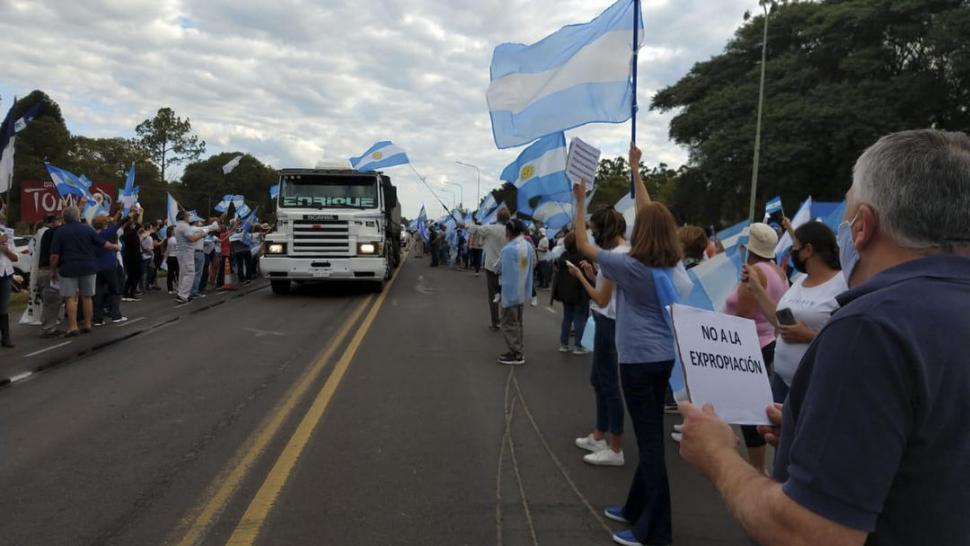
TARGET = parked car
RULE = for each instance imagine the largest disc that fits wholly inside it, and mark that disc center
(24, 263)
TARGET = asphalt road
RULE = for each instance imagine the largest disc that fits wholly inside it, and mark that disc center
(330, 416)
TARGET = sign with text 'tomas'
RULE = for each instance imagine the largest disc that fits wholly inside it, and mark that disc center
(722, 364)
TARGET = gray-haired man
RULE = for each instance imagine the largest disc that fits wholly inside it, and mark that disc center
(873, 439)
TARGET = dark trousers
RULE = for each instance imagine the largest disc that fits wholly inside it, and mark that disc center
(476, 259)
(648, 503)
(107, 295)
(172, 278)
(133, 276)
(491, 280)
(241, 261)
(206, 265)
(605, 377)
(544, 273)
(574, 317)
(752, 438)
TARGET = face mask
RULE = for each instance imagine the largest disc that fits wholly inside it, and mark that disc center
(796, 261)
(848, 254)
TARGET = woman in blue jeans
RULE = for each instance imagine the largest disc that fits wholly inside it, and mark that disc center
(608, 228)
(644, 285)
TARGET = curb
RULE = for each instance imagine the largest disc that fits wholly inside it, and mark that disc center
(82, 352)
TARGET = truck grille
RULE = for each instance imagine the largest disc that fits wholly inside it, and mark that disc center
(321, 238)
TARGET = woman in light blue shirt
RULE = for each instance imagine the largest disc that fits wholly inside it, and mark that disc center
(645, 347)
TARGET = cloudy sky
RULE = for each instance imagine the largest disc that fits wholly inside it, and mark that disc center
(295, 82)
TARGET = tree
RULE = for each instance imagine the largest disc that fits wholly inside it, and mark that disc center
(203, 183)
(108, 160)
(168, 139)
(840, 74)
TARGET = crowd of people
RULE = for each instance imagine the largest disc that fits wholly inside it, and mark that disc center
(84, 273)
(862, 332)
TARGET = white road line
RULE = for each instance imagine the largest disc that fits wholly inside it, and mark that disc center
(21, 377)
(551, 310)
(130, 322)
(52, 347)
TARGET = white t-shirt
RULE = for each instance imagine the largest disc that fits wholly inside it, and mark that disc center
(811, 306)
(610, 310)
(170, 247)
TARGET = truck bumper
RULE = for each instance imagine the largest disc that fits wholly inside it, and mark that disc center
(322, 269)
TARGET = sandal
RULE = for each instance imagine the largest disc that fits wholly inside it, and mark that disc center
(86, 330)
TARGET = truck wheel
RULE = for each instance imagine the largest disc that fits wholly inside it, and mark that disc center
(377, 287)
(280, 288)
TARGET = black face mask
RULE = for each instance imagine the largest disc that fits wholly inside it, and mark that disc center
(796, 261)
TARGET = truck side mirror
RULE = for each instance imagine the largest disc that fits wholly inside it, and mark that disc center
(390, 195)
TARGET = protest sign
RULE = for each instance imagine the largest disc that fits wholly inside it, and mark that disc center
(582, 162)
(722, 364)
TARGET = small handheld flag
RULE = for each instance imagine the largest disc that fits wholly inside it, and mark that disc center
(233, 163)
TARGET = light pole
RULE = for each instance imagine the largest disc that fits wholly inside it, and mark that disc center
(478, 171)
(761, 100)
(461, 200)
(454, 197)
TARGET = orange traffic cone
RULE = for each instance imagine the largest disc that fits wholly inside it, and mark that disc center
(229, 280)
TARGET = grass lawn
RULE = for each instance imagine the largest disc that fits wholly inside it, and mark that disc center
(18, 302)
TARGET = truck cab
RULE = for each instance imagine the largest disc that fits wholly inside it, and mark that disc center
(333, 224)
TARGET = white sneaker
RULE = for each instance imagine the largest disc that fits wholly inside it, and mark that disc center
(497, 298)
(564, 348)
(119, 319)
(580, 350)
(589, 444)
(607, 457)
(535, 301)
(679, 428)
(676, 436)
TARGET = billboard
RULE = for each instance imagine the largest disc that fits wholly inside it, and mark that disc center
(38, 199)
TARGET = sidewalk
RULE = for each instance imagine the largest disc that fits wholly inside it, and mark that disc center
(156, 308)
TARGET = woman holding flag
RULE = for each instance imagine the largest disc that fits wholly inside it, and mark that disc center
(644, 286)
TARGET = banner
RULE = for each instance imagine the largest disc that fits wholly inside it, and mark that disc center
(38, 199)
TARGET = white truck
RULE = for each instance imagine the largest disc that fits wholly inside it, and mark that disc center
(333, 224)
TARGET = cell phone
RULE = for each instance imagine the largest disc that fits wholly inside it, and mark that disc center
(785, 317)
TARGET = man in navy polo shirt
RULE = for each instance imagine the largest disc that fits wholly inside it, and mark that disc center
(873, 445)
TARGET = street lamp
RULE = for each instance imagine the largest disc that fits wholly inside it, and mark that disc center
(761, 100)
(479, 172)
(454, 196)
(461, 201)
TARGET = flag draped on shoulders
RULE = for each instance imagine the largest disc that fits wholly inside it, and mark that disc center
(579, 74)
(517, 262)
(381, 155)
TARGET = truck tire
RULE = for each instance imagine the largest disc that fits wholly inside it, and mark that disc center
(377, 287)
(280, 287)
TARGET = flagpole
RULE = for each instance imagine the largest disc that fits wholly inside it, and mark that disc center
(633, 106)
(421, 178)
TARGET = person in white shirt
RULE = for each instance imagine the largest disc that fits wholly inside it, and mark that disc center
(811, 299)
(186, 237)
(492, 238)
(8, 255)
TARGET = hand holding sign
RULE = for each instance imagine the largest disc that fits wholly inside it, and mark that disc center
(582, 162)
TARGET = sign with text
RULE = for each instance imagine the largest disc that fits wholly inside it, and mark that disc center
(722, 363)
(582, 162)
(38, 199)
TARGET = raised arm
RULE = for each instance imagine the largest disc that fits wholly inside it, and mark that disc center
(600, 296)
(642, 197)
(585, 247)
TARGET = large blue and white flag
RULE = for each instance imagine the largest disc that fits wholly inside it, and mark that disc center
(242, 211)
(67, 183)
(171, 209)
(517, 262)
(554, 215)
(580, 74)
(382, 155)
(539, 174)
(8, 139)
(129, 194)
(423, 224)
(488, 205)
(236, 200)
(274, 191)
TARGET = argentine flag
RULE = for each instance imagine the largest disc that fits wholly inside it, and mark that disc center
(539, 174)
(172, 209)
(129, 194)
(423, 224)
(382, 155)
(274, 191)
(67, 183)
(223, 206)
(517, 262)
(580, 74)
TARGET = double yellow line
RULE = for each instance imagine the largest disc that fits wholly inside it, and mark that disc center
(229, 481)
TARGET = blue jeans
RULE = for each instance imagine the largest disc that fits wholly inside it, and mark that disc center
(574, 314)
(648, 503)
(199, 259)
(605, 377)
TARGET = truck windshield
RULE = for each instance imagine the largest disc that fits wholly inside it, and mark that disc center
(328, 191)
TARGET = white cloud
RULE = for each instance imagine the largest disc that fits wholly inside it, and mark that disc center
(297, 81)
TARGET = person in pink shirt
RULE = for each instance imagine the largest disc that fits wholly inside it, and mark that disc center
(759, 265)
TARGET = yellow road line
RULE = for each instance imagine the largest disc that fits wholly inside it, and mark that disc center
(252, 521)
(251, 451)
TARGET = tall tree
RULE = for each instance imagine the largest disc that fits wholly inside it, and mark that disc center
(169, 140)
(204, 184)
(840, 74)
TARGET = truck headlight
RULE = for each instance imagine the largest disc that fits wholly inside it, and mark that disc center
(276, 248)
(366, 248)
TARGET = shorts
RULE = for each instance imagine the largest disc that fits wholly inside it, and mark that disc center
(70, 286)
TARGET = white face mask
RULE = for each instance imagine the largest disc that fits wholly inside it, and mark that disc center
(848, 254)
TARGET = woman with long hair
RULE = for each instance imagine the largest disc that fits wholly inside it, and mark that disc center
(644, 286)
(608, 227)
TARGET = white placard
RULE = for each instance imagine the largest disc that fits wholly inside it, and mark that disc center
(582, 162)
(722, 363)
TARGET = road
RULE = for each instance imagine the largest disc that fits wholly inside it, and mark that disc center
(330, 416)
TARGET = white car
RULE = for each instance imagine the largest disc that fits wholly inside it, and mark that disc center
(24, 262)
